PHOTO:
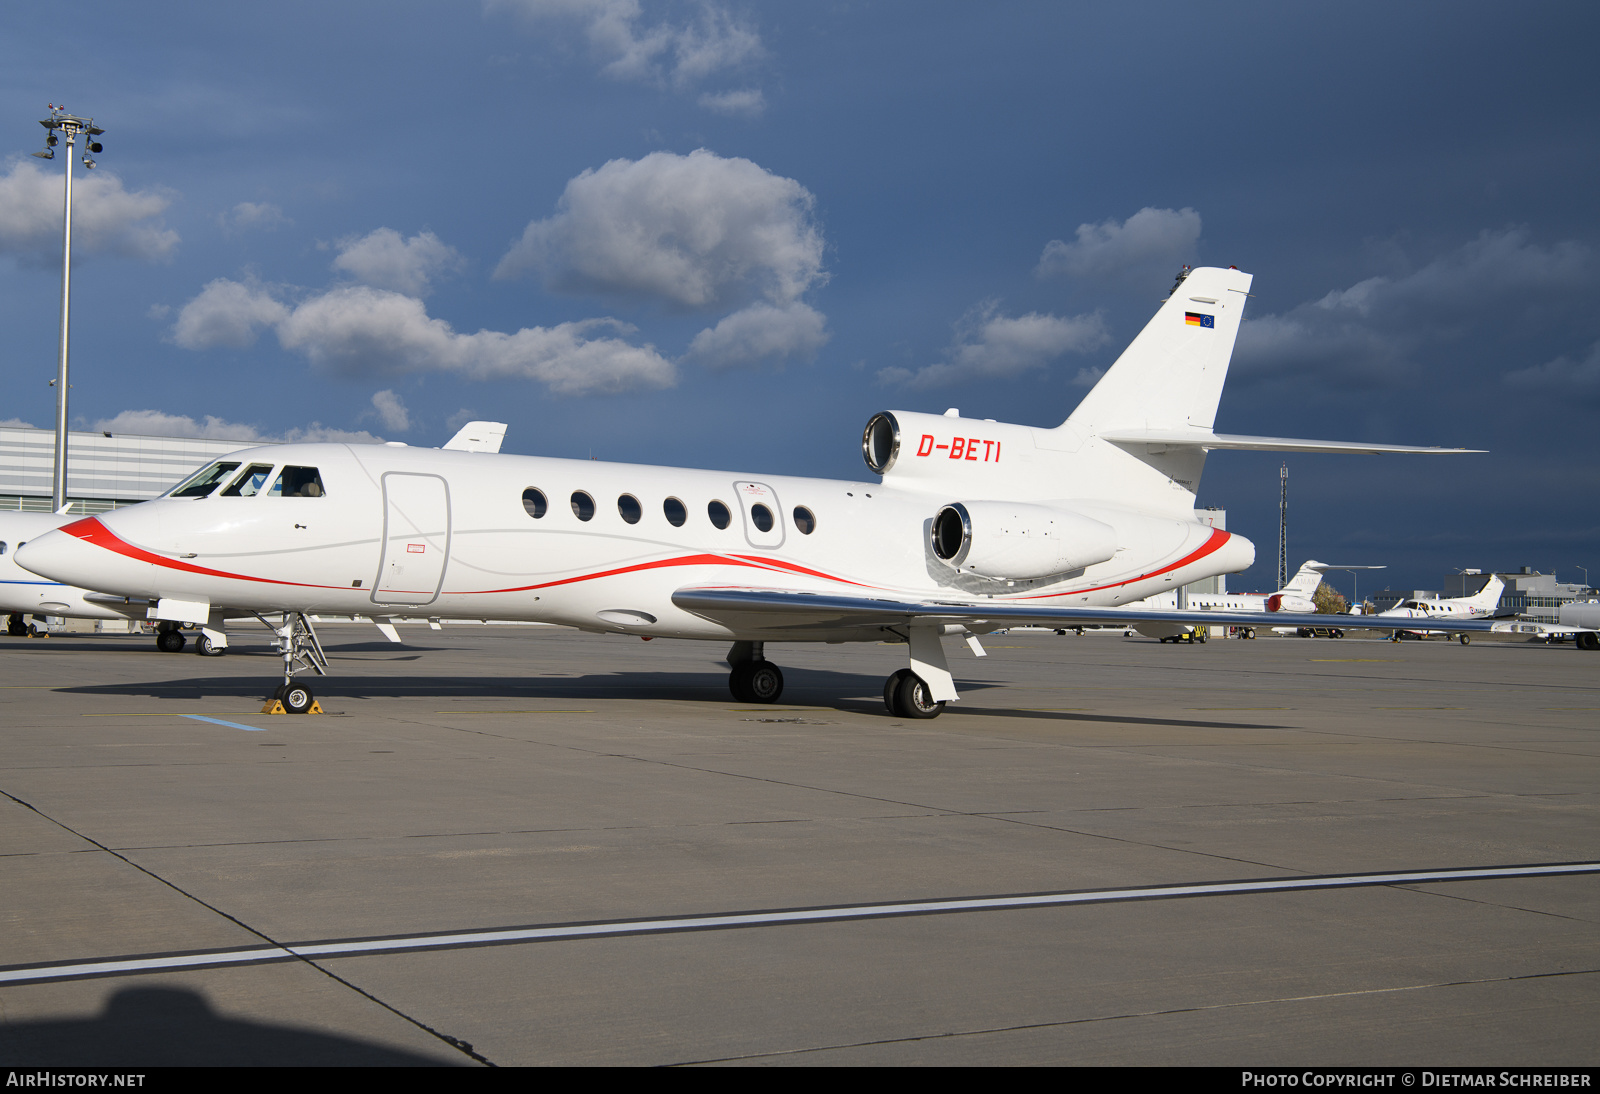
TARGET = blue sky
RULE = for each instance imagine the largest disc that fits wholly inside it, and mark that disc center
(724, 234)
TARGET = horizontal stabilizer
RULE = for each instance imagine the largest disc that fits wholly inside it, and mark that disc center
(1181, 438)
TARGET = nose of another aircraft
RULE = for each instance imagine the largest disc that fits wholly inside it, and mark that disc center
(58, 556)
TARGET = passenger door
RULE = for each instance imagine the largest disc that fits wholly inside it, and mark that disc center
(416, 539)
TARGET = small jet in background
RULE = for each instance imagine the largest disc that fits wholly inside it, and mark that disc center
(1481, 605)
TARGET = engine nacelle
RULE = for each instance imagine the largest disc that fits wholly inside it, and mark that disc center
(1288, 602)
(1017, 541)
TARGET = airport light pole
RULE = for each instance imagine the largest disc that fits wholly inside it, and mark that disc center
(68, 125)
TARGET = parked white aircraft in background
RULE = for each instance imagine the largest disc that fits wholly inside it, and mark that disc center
(1448, 612)
(24, 593)
(1296, 596)
(975, 525)
(1578, 620)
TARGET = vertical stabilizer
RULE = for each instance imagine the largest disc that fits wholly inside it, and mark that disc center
(1171, 376)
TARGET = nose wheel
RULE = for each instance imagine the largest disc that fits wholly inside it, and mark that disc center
(296, 698)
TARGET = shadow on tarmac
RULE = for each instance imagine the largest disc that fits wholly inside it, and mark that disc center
(176, 1027)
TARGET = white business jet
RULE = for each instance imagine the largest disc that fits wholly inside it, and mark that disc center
(1296, 596)
(1448, 612)
(974, 525)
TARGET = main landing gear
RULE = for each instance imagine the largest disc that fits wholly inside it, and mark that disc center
(169, 639)
(907, 696)
(754, 679)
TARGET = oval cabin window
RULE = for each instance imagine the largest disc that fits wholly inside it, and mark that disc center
(719, 514)
(675, 511)
(582, 505)
(533, 502)
(805, 520)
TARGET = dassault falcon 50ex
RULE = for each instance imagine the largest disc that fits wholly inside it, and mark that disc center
(974, 525)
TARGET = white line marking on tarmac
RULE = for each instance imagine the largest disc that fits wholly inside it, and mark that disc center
(781, 917)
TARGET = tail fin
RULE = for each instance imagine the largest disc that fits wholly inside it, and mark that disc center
(1488, 597)
(1171, 376)
(1305, 582)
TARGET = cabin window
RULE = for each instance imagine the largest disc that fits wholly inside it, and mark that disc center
(805, 520)
(249, 484)
(533, 502)
(2, 547)
(761, 517)
(297, 482)
(582, 505)
(719, 514)
(629, 507)
(676, 512)
(204, 481)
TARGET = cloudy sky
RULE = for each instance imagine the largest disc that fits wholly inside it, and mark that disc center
(723, 234)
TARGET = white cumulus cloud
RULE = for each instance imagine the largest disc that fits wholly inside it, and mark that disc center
(681, 54)
(226, 313)
(698, 232)
(360, 330)
(385, 260)
(744, 103)
(761, 333)
(391, 411)
(251, 214)
(156, 423)
(105, 217)
(1150, 243)
(989, 345)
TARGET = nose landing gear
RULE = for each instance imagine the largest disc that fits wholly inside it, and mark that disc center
(297, 644)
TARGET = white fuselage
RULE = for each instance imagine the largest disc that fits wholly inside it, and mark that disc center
(422, 532)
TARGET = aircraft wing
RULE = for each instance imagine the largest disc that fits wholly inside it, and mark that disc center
(785, 609)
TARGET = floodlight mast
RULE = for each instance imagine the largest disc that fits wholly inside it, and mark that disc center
(70, 125)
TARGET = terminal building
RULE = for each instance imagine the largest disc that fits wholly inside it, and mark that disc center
(104, 470)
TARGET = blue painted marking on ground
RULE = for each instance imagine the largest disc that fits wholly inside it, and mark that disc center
(231, 725)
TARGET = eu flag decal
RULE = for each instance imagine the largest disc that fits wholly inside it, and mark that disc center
(1195, 319)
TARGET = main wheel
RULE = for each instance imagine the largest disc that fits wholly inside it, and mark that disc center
(1466, 639)
(170, 641)
(756, 682)
(16, 626)
(296, 698)
(207, 648)
(891, 688)
(914, 699)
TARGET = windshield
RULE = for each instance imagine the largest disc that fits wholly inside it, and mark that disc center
(203, 482)
(249, 484)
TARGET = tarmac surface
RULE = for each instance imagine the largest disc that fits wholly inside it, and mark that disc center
(168, 855)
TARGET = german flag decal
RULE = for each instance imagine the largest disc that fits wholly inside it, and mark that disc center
(1195, 319)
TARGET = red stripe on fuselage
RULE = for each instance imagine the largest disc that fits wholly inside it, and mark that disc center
(1212, 544)
(92, 531)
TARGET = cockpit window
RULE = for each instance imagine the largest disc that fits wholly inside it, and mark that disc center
(203, 482)
(249, 484)
(297, 482)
